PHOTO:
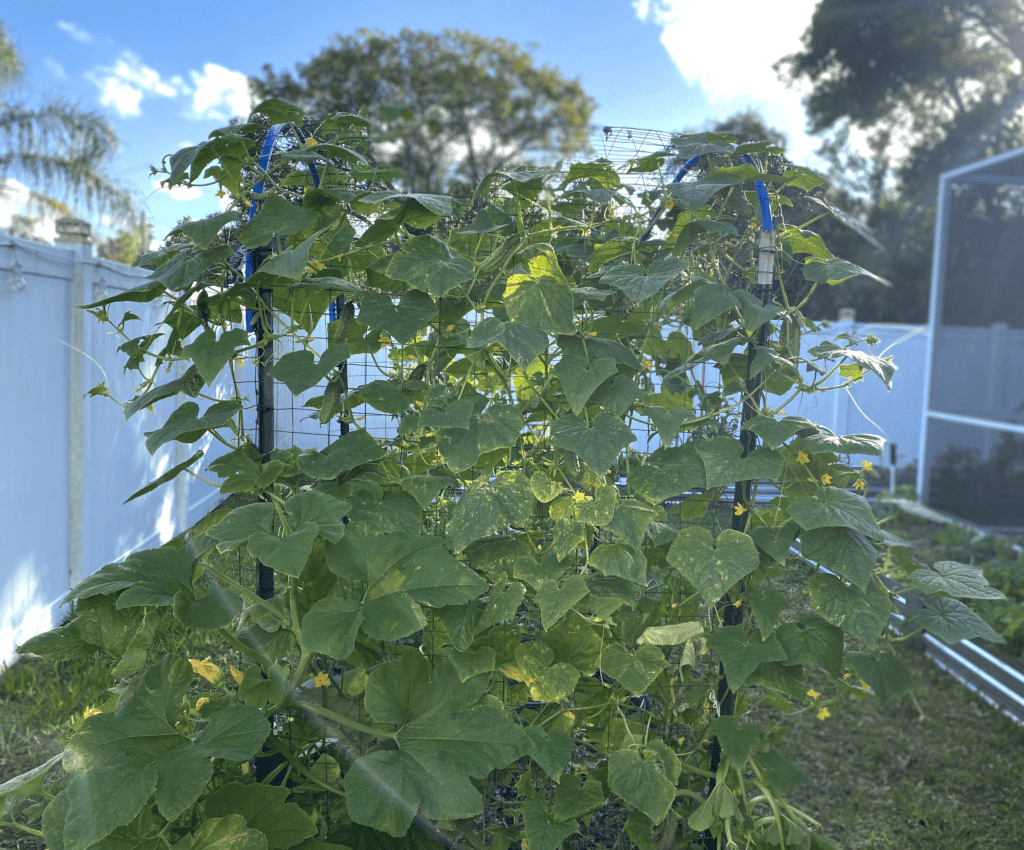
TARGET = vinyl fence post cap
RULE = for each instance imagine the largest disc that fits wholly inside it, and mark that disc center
(73, 231)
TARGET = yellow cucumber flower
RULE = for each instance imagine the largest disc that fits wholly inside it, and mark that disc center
(207, 669)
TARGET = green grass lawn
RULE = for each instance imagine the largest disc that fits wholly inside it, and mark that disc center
(894, 778)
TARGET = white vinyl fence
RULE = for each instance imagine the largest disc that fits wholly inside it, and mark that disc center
(71, 461)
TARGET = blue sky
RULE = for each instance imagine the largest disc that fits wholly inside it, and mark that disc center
(166, 74)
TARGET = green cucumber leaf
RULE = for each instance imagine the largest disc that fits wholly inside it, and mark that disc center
(634, 776)
(713, 569)
(742, 653)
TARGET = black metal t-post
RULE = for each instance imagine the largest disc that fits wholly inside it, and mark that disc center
(731, 614)
(339, 314)
(263, 327)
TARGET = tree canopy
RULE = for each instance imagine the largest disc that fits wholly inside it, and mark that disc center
(486, 104)
(57, 147)
(932, 86)
(942, 80)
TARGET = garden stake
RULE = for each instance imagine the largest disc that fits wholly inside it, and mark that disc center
(261, 324)
(731, 614)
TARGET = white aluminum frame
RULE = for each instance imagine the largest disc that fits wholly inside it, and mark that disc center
(946, 180)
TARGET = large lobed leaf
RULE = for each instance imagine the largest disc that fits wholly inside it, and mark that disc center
(443, 741)
(119, 761)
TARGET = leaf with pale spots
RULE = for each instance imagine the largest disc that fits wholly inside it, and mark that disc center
(487, 506)
(842, 550)
(713, 568)
(547, 679)
(742, 653)
(863, 614)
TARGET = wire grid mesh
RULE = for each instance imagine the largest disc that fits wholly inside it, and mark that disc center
(623, 146)
(296, 416)
(297, 424)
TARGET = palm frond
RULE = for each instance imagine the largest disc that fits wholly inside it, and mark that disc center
(12, 65)
(62, 148)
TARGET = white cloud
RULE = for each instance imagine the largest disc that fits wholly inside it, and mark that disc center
(731, 59)
(55, 68)
(734, 57)
(76, 32)
(15, 199)
(219, 93)
(123, 84)
(179, 193)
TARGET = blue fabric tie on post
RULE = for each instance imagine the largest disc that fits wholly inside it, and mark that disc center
(762, 198)
(262, 163)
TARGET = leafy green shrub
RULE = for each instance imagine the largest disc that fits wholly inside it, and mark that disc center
(502, 620)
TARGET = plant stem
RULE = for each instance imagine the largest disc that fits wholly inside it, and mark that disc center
(249, 595)
(347, 722)
(301, 768)
(23, 828)
(251, 652)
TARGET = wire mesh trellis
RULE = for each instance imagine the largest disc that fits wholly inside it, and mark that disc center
(296, 420)
(297, 423)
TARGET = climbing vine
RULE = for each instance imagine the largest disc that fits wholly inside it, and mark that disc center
(546, 589)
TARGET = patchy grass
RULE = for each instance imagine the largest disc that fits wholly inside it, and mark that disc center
(892, 778)
(38, 702)
(42, 701)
